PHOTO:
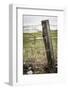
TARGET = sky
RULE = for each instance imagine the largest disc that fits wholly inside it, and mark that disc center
(33, 22)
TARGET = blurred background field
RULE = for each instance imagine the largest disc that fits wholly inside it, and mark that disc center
(34, 52)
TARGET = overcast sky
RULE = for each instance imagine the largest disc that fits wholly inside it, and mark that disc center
(36, 20)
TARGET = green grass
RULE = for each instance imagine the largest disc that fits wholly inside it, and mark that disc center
(34, 48)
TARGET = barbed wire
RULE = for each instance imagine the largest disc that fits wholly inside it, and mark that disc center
(36, 25)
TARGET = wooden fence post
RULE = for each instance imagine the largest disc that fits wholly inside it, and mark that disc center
(48, 42)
